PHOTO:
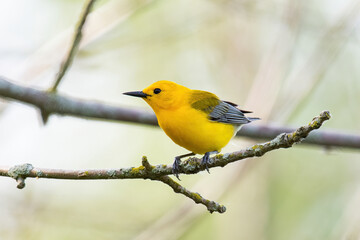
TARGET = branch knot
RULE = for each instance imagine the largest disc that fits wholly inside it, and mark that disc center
(19, 173)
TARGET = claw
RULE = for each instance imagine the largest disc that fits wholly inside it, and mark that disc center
(176, 164)
(175, 168)
(205, 161)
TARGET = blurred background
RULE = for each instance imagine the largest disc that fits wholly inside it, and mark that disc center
(284, 60)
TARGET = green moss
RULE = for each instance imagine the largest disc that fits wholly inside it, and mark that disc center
(137, 170)
(197, 197)
(314, 124)
(219, 156)
(192, 162)
(327, 114)
(255, 147)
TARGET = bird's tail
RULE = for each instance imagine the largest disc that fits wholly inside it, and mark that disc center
(253, 119)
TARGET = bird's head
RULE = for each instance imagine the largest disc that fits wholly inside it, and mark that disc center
(162, 95)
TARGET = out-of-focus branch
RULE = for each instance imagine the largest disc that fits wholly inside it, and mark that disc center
(324, 138)
(53, 103)
(161, 172)
(74, 44)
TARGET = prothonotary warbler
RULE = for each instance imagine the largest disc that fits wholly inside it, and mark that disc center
(196, 120)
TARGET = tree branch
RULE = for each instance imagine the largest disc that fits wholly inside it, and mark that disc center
(161, 172)
(53, 103)
(196, 197)
(326, 138)
(74, 46)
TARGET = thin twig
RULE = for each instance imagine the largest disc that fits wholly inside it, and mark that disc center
(53, 103)
(74, 46)
(161, 172)
(196, 197)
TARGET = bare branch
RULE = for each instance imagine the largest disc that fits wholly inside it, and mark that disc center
(75, 44)
(161, 172)
(53, 103)
(326, 138)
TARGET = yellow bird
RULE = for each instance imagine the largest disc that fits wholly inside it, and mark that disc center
(196, 120)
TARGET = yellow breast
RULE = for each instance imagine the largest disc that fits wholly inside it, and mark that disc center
(191, 129)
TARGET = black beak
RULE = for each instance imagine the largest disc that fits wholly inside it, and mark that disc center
(137, 94)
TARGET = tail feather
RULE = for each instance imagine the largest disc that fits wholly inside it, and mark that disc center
(253, 119)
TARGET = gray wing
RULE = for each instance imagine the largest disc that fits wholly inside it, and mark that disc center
(227, 113)
(235, 105)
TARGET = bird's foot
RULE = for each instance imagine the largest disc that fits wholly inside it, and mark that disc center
(206, 160)
(176, 164)
(176, 167)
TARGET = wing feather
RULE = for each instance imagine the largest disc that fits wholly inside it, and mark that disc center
(217, 110)
(226, 113)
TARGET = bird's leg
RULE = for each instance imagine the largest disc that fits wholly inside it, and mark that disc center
(206, 158)
(176, 164)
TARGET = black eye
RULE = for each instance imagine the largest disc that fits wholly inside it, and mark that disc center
(157, 90)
